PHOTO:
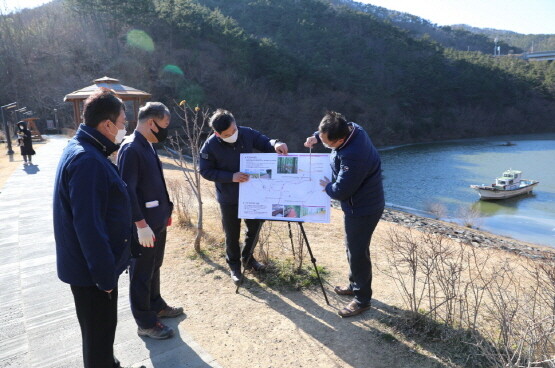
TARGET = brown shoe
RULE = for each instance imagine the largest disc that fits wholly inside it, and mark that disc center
(170, 312)
(352, 309)
(343, 290)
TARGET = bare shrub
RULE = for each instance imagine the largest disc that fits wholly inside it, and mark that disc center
(520, 317)
(181, 196)
(263, 245)
(403, 251)
(469, 216)
(286, 241)
(508, 309)
(437, 209)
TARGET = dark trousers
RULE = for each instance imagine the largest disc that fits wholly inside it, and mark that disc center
(27, 158)
(232, 229)
(358, 234)
(144, 288)
(97, 312)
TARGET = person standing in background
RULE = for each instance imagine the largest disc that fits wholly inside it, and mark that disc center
(25, 142)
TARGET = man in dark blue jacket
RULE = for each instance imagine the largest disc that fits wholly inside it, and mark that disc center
(92, 225)
(142, 171)
(219, 162)
(357, 183)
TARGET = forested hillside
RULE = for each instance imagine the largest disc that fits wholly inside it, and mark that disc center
(277, 64)
(458, 38)
(526, 42)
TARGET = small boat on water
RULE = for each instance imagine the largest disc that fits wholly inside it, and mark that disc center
(509, 185)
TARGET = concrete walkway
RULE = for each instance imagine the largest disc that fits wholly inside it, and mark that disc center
(38, 325)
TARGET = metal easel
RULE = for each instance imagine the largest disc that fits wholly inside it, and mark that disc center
(312, 259)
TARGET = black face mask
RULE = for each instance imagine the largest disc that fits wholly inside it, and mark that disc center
(161, 134)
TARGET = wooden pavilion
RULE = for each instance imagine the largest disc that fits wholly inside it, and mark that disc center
(127, 94)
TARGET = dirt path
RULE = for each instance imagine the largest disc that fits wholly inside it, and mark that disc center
(263, 327)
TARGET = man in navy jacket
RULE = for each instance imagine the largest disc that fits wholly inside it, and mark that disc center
(219, 162)
(142, 171)
(92, 225)
(357, 183)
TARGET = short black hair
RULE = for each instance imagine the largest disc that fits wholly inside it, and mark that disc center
(153, 110)
(102, 105)
(334, 125)
(221, 120)
(22, 125)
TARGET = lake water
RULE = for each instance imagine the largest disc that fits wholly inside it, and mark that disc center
(419, 177)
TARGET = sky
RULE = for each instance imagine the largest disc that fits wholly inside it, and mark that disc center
(522, 16)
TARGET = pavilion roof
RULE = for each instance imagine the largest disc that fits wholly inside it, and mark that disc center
(123, 92)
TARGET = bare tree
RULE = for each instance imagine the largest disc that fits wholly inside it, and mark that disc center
(185, 150)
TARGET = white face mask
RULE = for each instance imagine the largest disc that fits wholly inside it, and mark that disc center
(232, 138)
(119, 135)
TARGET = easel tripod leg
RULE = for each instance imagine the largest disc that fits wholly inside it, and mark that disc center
(313, 260)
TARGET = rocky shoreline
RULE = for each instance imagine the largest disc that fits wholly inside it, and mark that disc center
(477, 238)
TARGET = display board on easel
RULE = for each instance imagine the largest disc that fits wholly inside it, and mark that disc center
(284, 187)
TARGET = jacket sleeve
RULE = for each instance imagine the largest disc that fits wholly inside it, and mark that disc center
(261, 142)
(129, 168)
(316, 135)
(209, 170)
(350, 177)
(89, 190)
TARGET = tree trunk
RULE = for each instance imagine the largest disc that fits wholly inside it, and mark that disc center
(199, 219)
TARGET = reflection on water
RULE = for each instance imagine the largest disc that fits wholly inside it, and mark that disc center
(423, 176)
(507, 206)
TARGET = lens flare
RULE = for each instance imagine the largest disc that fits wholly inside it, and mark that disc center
(140, 39)
(173, 69)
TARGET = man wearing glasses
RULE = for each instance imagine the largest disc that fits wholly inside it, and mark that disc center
(151, 209)
(92, 224)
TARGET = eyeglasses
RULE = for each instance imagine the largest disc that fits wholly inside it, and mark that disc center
(125, 124)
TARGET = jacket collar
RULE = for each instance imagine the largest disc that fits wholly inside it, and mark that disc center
(354, 131)
(97, 139)
(141, 138)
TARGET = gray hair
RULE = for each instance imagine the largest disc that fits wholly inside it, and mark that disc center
(153, 110)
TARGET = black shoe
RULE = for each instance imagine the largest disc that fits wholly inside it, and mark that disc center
(235, 276)
(118, 365)
(159, 332)
(255, 265)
